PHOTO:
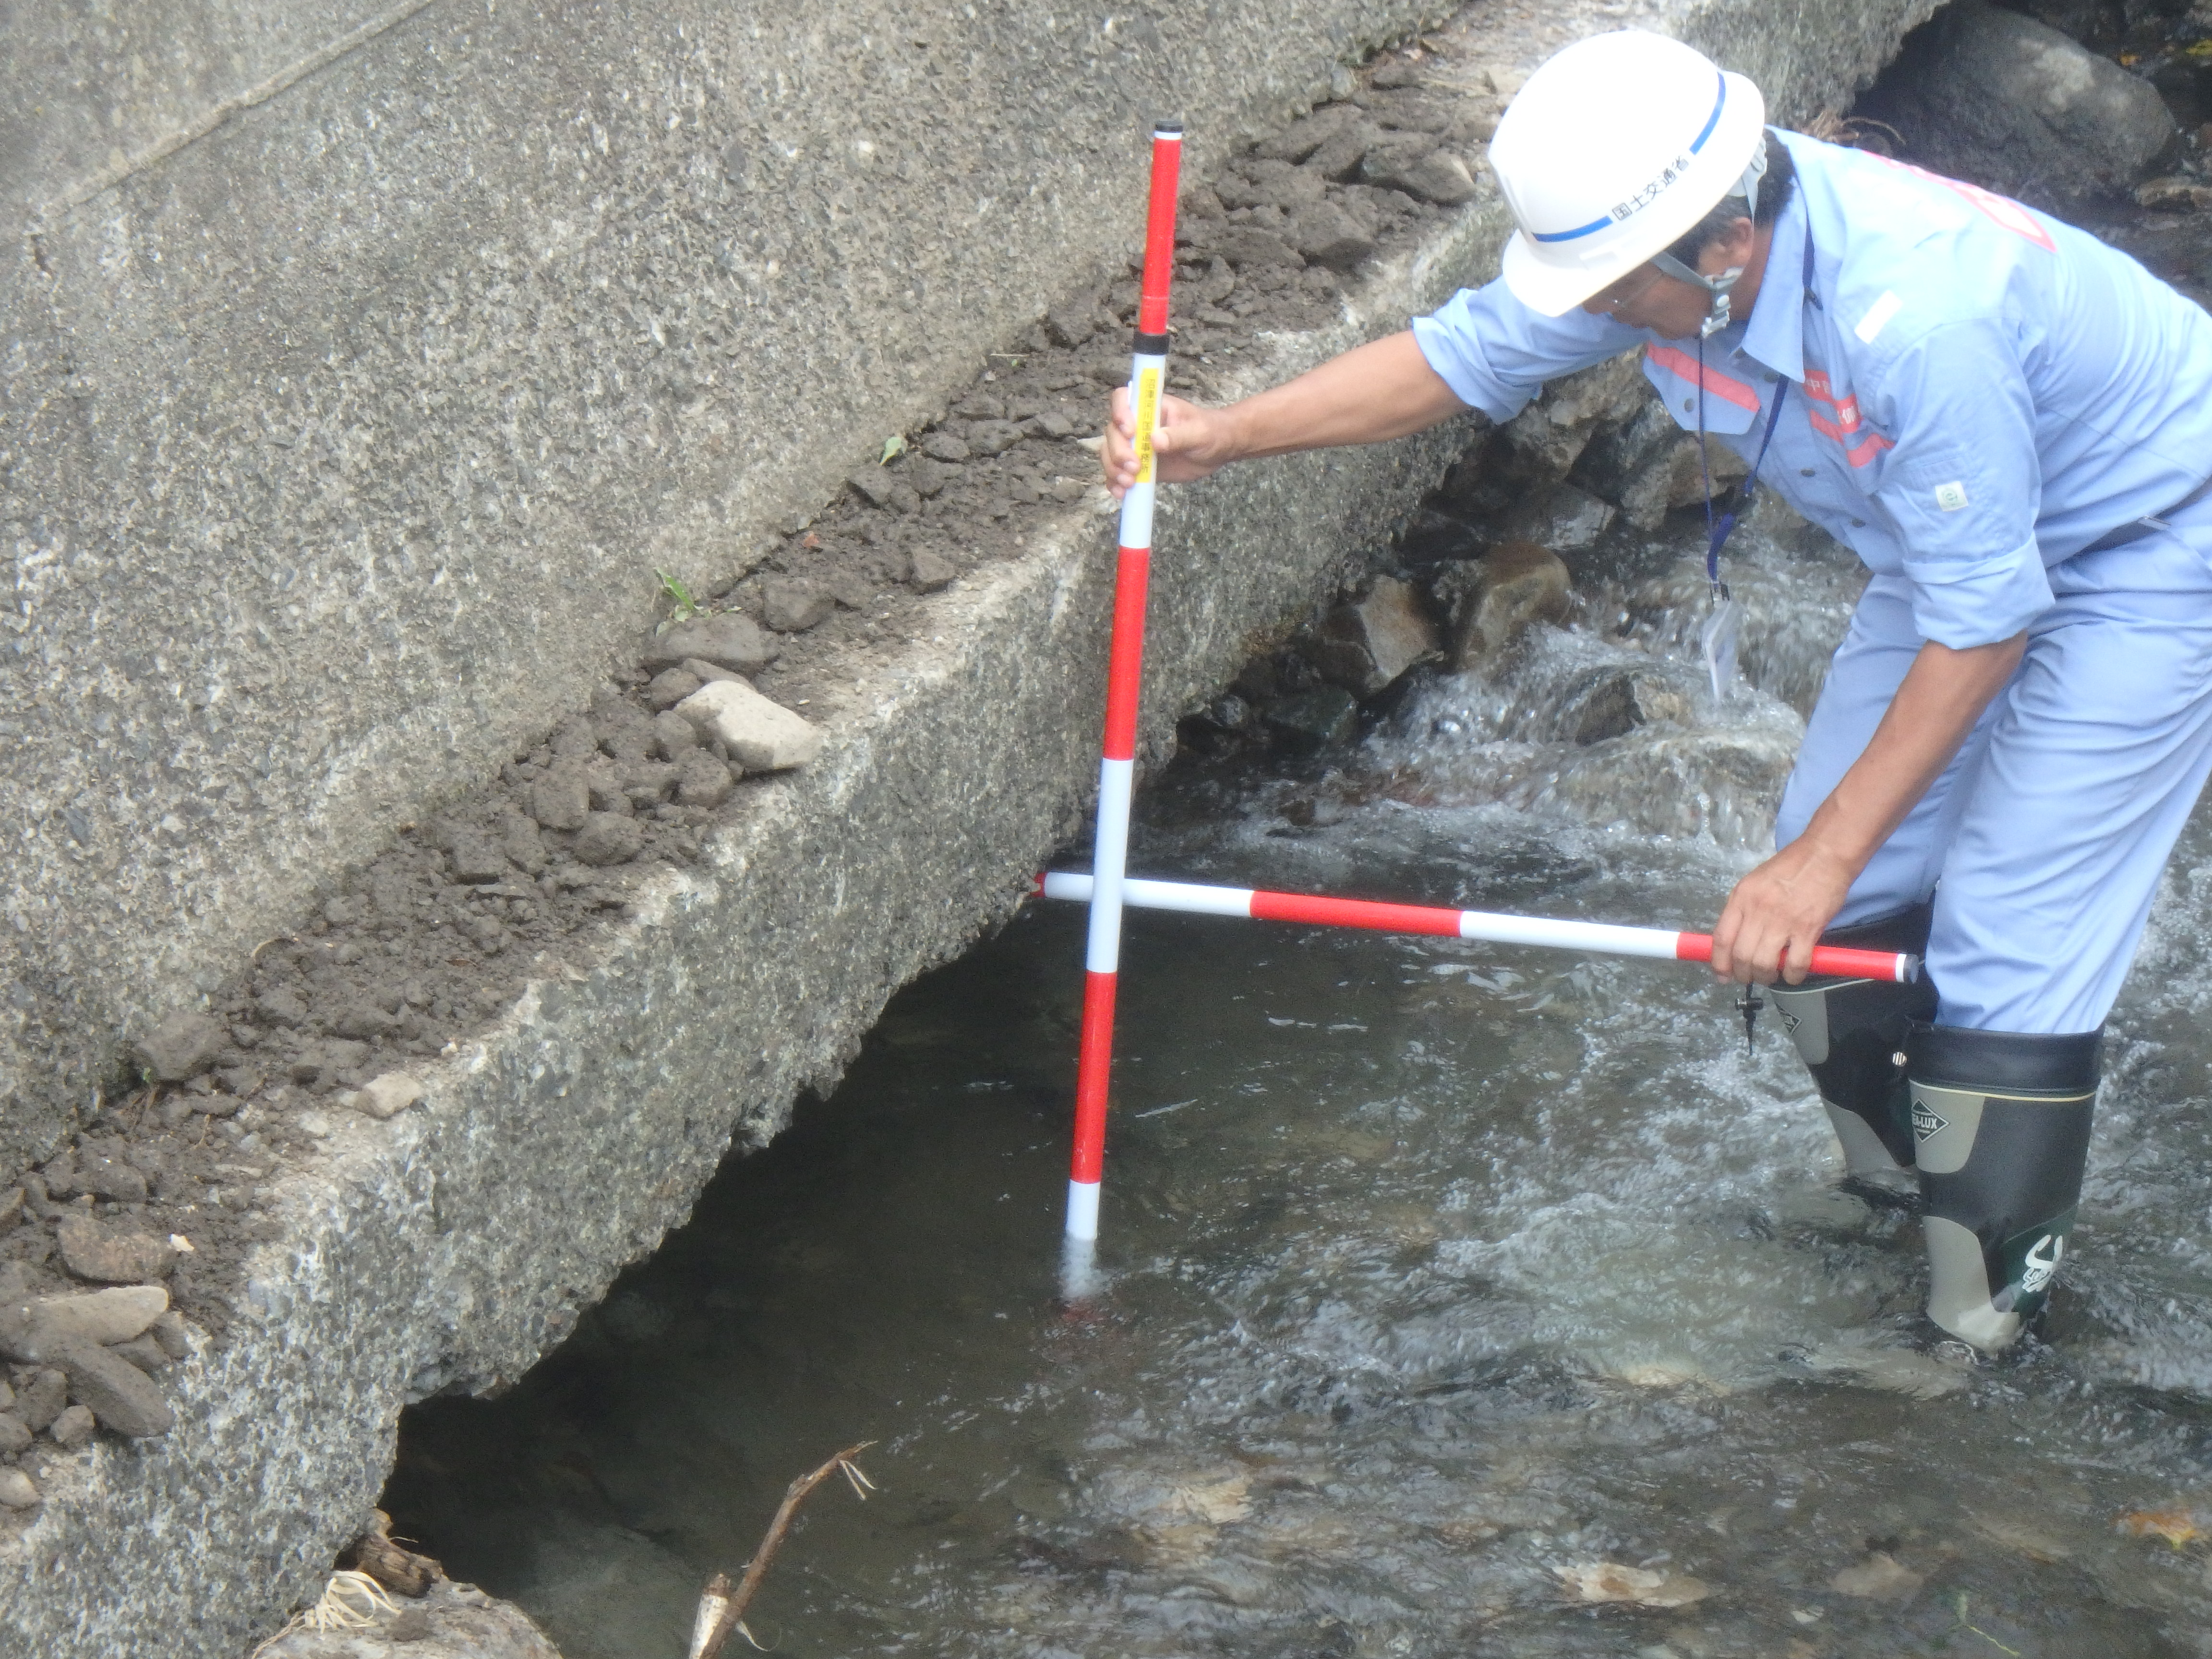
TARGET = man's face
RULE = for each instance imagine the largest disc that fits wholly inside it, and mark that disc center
(1647, 298)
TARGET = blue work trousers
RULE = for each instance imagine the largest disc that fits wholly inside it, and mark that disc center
(2044, 839)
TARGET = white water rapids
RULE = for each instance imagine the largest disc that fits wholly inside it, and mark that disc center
(1452, 1285)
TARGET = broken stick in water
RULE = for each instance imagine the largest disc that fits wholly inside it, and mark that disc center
(721, 1609)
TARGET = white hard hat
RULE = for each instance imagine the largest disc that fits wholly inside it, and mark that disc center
(1613, 150)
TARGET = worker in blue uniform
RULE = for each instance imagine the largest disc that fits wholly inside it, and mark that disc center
(2011, 424)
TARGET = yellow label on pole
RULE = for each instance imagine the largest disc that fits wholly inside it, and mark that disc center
(1148, 412)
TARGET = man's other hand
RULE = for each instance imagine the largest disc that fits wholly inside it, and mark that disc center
(1187, 443)
(1775, 917)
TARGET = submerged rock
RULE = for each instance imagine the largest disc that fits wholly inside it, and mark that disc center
(1313, 720)
(1364, 646)
(1608, 1581)
(1493, 602)
(1564, 519)
(1880, 1577)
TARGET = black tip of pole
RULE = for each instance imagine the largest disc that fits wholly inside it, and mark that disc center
(1167, 129)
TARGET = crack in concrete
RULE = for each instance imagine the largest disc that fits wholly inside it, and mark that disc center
(115, 172)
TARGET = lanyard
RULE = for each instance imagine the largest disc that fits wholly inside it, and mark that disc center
(1718, 530)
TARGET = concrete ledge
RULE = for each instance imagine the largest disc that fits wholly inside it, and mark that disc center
(363, 362)
(451, 1246)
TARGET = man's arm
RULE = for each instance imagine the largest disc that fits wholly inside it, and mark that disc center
(1775, 916)
(1384, 389)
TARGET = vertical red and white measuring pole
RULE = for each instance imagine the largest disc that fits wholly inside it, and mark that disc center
(1124, 675)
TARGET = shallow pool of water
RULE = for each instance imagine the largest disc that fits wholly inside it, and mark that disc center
(1442, 1277)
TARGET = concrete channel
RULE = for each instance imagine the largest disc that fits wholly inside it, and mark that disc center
(228, 676)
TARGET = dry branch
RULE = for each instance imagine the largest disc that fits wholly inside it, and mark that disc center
(722, 1610)
(392, 1564)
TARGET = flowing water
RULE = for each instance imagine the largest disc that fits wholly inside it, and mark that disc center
(1450, 1285)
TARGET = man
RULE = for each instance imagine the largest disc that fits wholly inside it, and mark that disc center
(2011, 424)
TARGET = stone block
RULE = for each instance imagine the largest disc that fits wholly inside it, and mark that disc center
(761, 736)
(74, 1427)
(560, 799)
(702, 779)
(1309, 720)
(1563, 517)
(727, 639)
(478, 858)
(107, 1316)
(114, 1389)
(42, 1398)
(608, 838)
(1365, 645)
(387, 1095)
(181, 1048)
(792, 607)
(671, 686)
(1327, 235)
(92, 1251)
(2001, 100)
(1420, 168)
(1495, 601)
(674, 736)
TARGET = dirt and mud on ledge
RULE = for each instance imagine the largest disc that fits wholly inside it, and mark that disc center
(163, 1193)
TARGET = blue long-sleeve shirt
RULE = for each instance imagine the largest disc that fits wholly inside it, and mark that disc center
(1980, 391)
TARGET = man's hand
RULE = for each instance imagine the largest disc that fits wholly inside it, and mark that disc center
(1774, 917)
(1187, 444)
(1384, 389)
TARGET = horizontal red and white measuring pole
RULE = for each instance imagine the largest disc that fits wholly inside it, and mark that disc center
(1124, 676)
(1599, 937)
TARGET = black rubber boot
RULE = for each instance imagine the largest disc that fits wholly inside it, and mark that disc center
(1851, 1034)
(2003, 1122)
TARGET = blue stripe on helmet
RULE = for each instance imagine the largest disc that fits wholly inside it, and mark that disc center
(1569, 235)
(1712, 120)
(1696, 144)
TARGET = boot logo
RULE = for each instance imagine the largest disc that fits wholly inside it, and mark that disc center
(2038, 1269)
(1926, 1126)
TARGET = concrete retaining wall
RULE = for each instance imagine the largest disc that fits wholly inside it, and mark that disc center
(361, 479)
(362, 364)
